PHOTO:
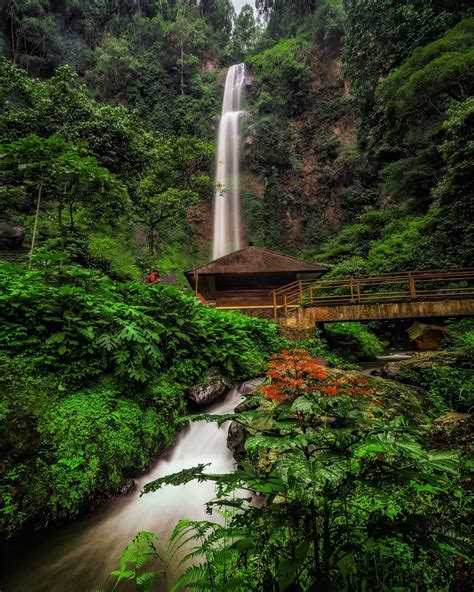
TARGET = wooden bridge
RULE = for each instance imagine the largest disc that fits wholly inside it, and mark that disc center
(404, 295)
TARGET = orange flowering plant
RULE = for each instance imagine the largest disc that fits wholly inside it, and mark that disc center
(295, 373)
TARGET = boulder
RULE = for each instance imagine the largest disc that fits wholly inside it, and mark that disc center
(398, 399)
(250, 386)
(427, 337)
(210, 388)
(238, 433)
(12, 237)
(392, 398)
(128, 486)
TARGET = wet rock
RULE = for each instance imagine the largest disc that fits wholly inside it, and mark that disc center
(210, 388)
(238, 433)
(127, 487)
(236, 441)
(250, 386)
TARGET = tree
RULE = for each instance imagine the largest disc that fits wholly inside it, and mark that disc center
(178, 179)
(29, 163)
(244, 34)
(380, 36)
(53, 172)
(30, 28)
(62, 106)
(219, 14)
(114, 70)
(453, 195)
(415, 98)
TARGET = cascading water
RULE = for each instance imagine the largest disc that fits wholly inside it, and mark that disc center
(78, 556)
(227, 197)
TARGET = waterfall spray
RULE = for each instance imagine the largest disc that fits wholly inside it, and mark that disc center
(227, 196)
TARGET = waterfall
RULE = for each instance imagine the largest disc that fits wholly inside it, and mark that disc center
(227, 196)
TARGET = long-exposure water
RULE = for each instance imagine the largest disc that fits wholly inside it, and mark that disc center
(227, 196)
(78, 557)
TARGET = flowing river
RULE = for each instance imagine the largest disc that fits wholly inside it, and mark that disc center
(78, 557)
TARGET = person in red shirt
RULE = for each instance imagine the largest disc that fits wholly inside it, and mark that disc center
(154, 276)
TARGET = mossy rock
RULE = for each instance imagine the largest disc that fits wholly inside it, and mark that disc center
(238, 433)
(453, 430)
(393, 398)
(447, 377)
(412, 370)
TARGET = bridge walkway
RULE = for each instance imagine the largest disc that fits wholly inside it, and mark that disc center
(411, 294)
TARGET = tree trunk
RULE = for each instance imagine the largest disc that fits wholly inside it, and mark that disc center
(151, 242)
(35, 226)
(182, 66)
(62, 231)
(71, 216)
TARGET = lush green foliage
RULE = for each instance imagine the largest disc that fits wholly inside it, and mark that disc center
(80, 324)
(112, 145)
(380, 37)
(113, 363)
(65, 446)
(133, 560)
(144, 55)
(285, 75)
(352, 502)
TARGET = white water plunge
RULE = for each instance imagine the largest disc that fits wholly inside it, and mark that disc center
(227, 196)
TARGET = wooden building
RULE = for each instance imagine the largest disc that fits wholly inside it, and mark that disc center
(245, 279)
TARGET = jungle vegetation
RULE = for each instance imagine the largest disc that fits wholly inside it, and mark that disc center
(358, 153)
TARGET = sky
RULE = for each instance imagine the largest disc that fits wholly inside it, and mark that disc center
(239, 3)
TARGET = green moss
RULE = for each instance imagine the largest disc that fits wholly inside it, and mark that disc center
(353, 341)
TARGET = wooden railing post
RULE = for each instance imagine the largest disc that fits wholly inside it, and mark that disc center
(358, 292)
(311, 294)
(351, 285)
(286, 305)
(274, 305)
(300, 286)
(411, 285)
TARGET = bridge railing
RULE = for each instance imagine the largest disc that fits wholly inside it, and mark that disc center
(366, 289)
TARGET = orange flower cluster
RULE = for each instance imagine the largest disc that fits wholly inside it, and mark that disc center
(291, 372)
(294, 373)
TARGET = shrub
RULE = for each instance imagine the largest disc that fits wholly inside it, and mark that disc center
(81, 325)
(111, 255)
(353, 340)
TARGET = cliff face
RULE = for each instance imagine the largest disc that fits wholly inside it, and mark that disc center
(298, 168)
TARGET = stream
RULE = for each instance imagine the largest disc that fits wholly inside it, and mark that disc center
(385, 358)
(77, 557)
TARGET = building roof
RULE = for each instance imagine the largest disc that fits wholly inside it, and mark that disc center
(256, 260)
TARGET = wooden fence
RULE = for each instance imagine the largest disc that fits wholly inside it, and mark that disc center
(370, 289)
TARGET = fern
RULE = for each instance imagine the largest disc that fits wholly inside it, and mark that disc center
(133, 560)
